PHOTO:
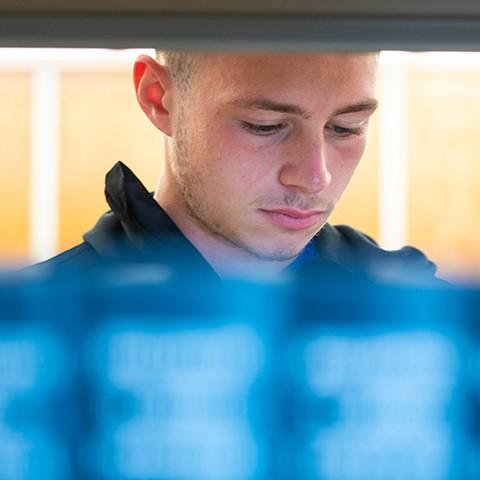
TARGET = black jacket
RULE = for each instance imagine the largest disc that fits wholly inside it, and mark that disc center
(137, 230)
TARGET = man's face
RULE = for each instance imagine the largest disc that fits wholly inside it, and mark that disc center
(264, 145)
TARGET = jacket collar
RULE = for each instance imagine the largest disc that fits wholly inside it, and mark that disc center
(137, 229)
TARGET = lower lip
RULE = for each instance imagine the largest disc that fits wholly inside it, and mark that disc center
(292, 223)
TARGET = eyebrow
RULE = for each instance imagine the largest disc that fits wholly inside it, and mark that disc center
(261, 103)
(369, 105)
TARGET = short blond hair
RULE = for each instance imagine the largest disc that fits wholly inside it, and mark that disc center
(182, 66)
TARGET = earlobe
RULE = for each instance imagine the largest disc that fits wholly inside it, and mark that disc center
(152, 84)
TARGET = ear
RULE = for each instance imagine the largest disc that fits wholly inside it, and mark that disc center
(154, 90)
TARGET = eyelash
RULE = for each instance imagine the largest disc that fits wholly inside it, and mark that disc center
(267, 130)
(345, 132)
(263, 130)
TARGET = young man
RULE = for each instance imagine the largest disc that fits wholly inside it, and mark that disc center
(259, 149)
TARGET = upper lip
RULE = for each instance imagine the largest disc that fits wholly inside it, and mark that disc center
(293, 212)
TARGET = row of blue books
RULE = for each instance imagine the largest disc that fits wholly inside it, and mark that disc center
(124, 376)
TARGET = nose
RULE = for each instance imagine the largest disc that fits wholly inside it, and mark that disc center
(307, 168)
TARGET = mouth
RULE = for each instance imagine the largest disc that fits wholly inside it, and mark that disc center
(293, 219)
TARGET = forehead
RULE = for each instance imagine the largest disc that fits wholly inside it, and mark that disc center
(285, 75)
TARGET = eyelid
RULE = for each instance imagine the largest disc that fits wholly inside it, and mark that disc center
(350, 123)
(263, 129)
(348, 131)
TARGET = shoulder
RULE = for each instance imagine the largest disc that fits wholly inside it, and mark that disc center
(344, 236)
(75, 261)
(360, 253)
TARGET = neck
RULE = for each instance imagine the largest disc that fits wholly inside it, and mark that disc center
(227, 259)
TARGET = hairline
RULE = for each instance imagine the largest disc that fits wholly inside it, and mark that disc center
(183, 65)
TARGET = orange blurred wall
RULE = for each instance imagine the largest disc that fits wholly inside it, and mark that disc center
(444, 162)
(15, 99)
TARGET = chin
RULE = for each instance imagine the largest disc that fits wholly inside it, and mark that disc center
(270, 246)
(278, 253)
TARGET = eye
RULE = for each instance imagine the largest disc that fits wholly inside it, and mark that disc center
(263, 130)
(339, 131)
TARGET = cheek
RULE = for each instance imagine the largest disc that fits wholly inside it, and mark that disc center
(343, 166)
(237, 161)
(350, 154)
